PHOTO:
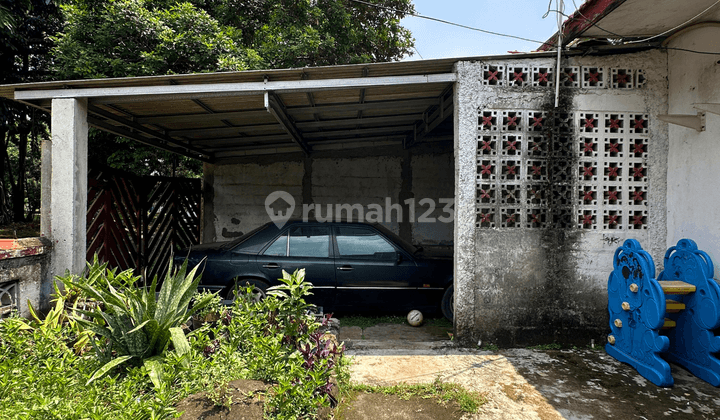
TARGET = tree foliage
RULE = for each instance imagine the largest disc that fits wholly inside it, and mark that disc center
(138, 38)
(80, 39)
(25, 26)
(142, 37)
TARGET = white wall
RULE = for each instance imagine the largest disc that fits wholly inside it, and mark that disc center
(694, 157)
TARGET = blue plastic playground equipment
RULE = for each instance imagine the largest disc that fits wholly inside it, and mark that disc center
(669, 318)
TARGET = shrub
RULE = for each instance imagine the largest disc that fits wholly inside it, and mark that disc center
(43, 375)
(280, 341)
(134, 324)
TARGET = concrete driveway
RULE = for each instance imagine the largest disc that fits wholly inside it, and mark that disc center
(531, 384)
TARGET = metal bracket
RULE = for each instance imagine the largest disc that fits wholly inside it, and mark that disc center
(696, 122)
(275, 107)
(711, 108)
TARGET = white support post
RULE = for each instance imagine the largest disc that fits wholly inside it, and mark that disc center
(45, 178)
(465, 117)
(68, 185)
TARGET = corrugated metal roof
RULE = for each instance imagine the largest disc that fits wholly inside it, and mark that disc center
(633, 19)
(221, 116)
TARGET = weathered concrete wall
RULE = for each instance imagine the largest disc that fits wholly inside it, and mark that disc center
(433, 178)
(235, 193)
(693, 175)
(24, 275)
(362, 180)
(533, 250)
(239, 192)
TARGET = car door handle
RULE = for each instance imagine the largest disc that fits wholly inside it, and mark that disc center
(345, 268)
(271, 265)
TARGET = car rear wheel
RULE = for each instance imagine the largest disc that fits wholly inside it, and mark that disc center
(258, 292)
(447, 304)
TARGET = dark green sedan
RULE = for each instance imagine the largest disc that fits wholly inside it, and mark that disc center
(354, 267)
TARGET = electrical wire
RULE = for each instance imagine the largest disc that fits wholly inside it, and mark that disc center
(548, 10)
(621, 37)
(417, 15)
(679, 26)
(591, 22)
(588, 21)
(690, 51)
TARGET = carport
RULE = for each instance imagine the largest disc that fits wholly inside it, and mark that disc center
(231, 120)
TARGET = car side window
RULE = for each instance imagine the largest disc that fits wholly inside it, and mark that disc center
(363, 243)
(278, 248)
(310, 241)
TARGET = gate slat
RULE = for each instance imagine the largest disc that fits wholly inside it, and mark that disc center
(137, 222)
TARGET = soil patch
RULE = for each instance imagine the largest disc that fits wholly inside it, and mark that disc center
(247, 403)
(391, 407)
(248, 399)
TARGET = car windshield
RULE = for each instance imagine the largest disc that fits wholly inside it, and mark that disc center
(244, 237)
(407, 246)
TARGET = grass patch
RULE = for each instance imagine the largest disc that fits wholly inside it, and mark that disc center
(490, 347)
(442, 392)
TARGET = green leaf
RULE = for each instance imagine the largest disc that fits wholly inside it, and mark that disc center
(107, 367)
(179, 340)
(155, 370)
(139, 327)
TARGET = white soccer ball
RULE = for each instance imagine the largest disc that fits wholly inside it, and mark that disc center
(415, 318)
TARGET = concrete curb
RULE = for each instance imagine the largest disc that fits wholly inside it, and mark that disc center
(398, 345)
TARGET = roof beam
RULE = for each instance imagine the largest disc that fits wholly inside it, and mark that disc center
(238, 144)
(365, 73)
(353, 122)
(254, 114)
(246, 139)
(358, 132)
(330, 146)
(399, 105)
(277, 109)
(224, 131)
(310, 97)
(196, 91)
(120, 131)
(196, 118)
(431, 118)
(142, 129)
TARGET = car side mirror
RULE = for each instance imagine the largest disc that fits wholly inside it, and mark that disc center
(399, 258)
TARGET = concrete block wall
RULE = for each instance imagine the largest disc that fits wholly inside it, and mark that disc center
(361, 180)
(234, 200)
(235, 193)
(24, 275)
(526, 283)
(693, 175)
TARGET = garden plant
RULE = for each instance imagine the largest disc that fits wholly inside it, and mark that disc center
(130, 355)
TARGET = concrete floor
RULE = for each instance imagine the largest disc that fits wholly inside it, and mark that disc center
(528, 384)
